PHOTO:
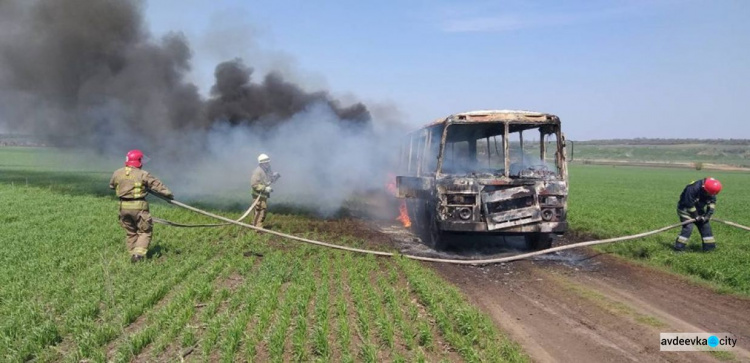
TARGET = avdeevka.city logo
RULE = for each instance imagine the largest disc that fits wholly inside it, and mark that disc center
(713, 341)
(688, 342)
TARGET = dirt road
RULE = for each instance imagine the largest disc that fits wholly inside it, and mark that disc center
(588, 307)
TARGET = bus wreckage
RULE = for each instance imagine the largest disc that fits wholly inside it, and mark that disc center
(493, 172)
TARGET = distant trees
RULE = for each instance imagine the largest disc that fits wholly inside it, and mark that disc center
(659, 141)
(19, 140)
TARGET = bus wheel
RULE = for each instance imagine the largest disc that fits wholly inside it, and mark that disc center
(538, 241)
(434, 237)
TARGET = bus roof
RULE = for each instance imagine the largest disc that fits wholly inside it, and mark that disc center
(496, 115)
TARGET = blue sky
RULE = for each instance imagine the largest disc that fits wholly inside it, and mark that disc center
(659, 68)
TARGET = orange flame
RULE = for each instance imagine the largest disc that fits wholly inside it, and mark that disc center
(403, 214)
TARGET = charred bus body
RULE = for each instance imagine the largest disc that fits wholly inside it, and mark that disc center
(486, 172)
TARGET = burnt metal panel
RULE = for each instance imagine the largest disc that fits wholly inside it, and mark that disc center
(513, 218)
(414, 187)
(498, 115)
(462, 226)
(511, 207)
(456, 199)
(509, 193)
(544, 227)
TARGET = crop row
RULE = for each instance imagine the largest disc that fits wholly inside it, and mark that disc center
(68, 292)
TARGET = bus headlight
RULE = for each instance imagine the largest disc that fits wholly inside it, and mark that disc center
(464, 213)
(548, 214)
(551, 201)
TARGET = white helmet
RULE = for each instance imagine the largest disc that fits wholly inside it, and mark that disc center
(263, 158)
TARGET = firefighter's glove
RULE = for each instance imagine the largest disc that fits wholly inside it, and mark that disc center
(275, 176)
(169, 196)
(268, 190)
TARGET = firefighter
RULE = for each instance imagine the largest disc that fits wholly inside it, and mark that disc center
(132, 185)
(698, 201)
(260, 182)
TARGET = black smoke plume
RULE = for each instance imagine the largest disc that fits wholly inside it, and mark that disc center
(237, 100)
(88, 73)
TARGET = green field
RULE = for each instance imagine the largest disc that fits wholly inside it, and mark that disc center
(738, 155)
(607, 201)
(68, 291)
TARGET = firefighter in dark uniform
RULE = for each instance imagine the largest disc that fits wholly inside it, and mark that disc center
(132, 185)
(698, 201)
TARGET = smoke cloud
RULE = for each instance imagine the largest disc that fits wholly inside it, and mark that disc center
(237, 100)
(321, 162)
(87, 74)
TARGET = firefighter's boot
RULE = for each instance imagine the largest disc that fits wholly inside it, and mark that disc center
(679, 246)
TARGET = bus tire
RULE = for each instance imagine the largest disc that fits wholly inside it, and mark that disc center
(433, 236)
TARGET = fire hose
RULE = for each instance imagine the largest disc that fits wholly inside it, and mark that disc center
(422, 258)
(275, 177)
(175, 224)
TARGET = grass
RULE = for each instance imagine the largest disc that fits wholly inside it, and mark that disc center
(608, 201)
(69, 293)
(723, 355)
(462, 326)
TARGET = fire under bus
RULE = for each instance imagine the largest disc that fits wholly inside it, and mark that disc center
(493, 172)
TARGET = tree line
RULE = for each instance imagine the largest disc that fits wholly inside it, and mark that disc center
(660, 141)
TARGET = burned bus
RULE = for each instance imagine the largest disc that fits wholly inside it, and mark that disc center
(493, 172)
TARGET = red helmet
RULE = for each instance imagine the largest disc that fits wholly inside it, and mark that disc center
(134, 158)
(711, 186)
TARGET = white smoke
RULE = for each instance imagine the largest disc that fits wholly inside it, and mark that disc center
(321, 161)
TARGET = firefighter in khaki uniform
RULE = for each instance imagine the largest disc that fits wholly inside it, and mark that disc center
(131, 184)
(260, 182)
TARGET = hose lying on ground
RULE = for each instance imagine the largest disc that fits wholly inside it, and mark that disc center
(431, 259)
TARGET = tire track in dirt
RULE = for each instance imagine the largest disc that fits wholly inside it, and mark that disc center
(585, 306)
(606, 310)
